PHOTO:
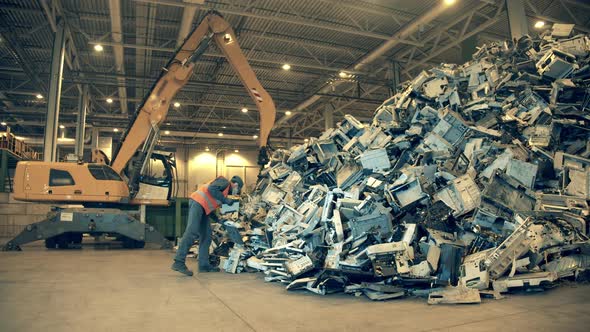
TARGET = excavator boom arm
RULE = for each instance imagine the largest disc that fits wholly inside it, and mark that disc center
(176, 74)
(226, 40)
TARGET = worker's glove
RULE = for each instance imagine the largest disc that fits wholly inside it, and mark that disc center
(263, 158)
(213, 216)
(232, 199)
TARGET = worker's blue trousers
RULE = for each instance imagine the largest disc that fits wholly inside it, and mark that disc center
(197, 226)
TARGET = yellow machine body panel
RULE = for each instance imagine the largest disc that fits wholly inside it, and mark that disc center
(54, 182)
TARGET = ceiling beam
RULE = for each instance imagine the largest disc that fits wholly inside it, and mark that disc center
(283, 19)
(337, 109)
(556, 20)
(403, 33)
(581, 4)
(457, 40)
(194, 85)
(294, 65)
(5, 100)
(117, 36)
(68, 117)
(263, 64)
(52, 13)
(184, 138)
(145, 21)
(186, 98)
(188, 16)
(327, 44)
(20, 56)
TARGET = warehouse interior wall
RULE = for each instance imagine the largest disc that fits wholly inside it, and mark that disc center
(196, 167)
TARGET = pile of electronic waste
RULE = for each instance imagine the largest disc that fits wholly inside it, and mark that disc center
(473, 180)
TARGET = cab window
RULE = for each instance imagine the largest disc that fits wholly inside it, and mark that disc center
(59, 177)
(103, 172)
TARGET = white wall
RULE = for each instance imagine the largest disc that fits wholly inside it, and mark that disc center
(196, 167)
(244, 165)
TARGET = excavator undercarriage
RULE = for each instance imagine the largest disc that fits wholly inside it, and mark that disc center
(64, 229)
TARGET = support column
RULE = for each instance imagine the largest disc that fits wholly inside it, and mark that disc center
(3, 169)
(395, 76)
(468, 47)
(517, 19)
(185, 172)
(95, 136)
(178, 218)
(54, 97)
(81, 123)
(142, 211)
(328, 117)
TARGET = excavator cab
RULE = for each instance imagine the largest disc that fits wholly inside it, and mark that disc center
(69, 183)
(156, 183)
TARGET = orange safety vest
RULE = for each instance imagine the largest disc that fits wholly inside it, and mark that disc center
(204, 198)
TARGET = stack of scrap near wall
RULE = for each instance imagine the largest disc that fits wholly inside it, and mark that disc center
(473, 180)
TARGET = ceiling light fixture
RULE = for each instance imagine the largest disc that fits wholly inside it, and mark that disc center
(244, 110)
(450, 2)
(288, 113)
(116, 130)
(3, 123)
(62, 126)
(254, 136)
(286, 66)
(110, 100)
(167, 132)
(39, 96)
(227, 38)
(177, 104)
(236, 150)
(98, 48)
(539, 24)
(207, 149)
(343, 74)
(220, 134)
(306, 140)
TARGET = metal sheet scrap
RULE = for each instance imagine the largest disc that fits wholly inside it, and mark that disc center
(473, 178)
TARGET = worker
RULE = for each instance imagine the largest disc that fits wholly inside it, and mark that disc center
(202, 205)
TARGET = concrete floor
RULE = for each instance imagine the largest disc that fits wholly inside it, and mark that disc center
(122, 290)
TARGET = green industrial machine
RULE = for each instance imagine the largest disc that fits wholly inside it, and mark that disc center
(5, 155)
(169, 220)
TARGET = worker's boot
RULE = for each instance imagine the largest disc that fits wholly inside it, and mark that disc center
(208, 268)
(181, 267)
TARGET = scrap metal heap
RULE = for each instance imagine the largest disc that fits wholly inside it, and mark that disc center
(474, 179)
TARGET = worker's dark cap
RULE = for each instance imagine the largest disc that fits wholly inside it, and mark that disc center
(237, 180)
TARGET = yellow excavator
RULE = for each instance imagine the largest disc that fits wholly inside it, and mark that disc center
(106, 191)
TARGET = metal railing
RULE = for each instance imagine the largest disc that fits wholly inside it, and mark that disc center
(8, 141)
